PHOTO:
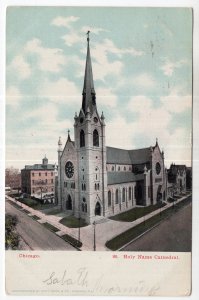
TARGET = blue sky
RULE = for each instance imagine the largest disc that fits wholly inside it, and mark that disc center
(142, 67)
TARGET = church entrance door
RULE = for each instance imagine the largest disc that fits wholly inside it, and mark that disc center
(98, 209)
(69, 203)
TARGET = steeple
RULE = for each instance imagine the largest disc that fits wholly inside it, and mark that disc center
(88, 93)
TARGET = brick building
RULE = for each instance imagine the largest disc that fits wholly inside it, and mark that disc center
(38, 180)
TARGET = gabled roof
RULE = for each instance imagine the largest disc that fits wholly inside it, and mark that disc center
(123, 177)
(140, 156)
(121, 156)
(175, 168)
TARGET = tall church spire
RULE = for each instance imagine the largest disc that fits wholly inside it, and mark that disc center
(88, 99)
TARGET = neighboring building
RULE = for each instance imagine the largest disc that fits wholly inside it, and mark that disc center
(94, 179)
(189, 178)
(13, 178)
(39, 180)
(176, 179)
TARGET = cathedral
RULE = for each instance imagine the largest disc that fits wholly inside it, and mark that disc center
(97, 180)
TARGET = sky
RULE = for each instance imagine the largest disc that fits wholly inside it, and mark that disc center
(142, 69)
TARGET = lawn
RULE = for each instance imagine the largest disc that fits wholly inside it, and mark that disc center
(53, 211)
(73, 222)
(136, 213)
(50, 227)
(71, 240)
(26, 211)
(35, 218)
(36, 204)
(129, 235)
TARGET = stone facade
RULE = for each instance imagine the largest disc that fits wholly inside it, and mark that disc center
(94, 179)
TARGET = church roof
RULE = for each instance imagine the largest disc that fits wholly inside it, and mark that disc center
(123, 177)
(121, 156)
(118, 156)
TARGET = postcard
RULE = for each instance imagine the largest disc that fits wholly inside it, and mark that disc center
(98, 151)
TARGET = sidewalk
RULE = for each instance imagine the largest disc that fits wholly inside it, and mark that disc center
(105, 229)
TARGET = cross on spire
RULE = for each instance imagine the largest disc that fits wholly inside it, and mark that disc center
(69, 139)
(88, 39)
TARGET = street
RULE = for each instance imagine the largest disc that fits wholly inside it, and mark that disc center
(173, 234)
(34, 234)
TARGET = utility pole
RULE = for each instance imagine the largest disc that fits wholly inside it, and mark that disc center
(94, 237)
(79, 219)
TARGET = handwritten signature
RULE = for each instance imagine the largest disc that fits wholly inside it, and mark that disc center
(100, 285)
(80, 278)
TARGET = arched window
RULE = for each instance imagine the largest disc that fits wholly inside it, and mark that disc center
(84, 186)
(117, 197)
(124, 168)
(98, 186)
(95, 138)
(82, 138)
(84, 205)
(95, 186)
(113, 168)
(118, 168)
(109, 198)
(123, 195)
(129, 193)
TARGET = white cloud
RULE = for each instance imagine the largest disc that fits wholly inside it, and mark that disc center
(105, 97)
(154, 122)
(64, 22)
(13, 96)
(169, 67)
(49, 59)
(60, 91)
(73, 37)
(112, 48)
(119, 133)
(102, 67)
(144, 80)
(20, 67)
(95, 30)
(175, 103)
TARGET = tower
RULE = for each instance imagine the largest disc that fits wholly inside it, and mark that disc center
(89, 132)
